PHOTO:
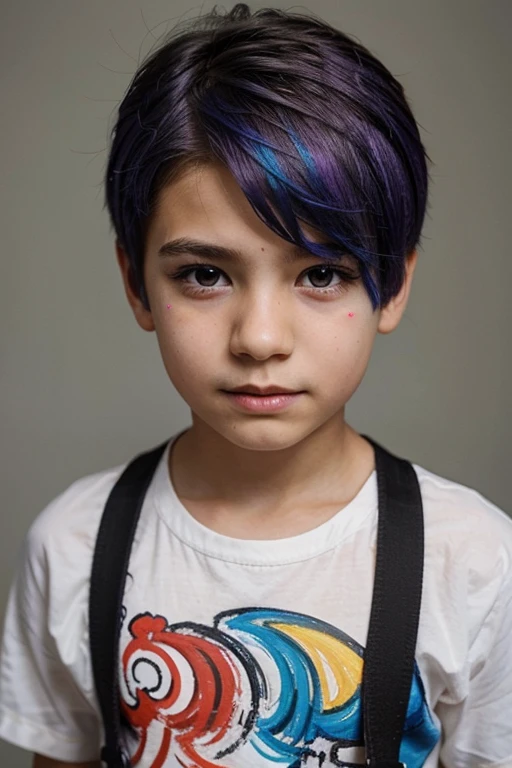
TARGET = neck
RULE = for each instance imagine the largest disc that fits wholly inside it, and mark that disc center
(327, 467)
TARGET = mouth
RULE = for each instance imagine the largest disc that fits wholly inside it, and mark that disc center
(266, 403)
(282, 393)
(251, 389)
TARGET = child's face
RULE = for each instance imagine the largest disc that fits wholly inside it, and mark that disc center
(263, 321)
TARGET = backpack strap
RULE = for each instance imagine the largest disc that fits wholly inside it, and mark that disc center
(108, 577)
(391, 642)
(396, 602)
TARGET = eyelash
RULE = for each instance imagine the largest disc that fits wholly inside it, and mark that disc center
(181, 275)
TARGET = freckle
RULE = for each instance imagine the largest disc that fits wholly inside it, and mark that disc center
(351, 314)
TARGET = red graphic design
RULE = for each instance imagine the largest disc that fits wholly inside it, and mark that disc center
(196, 698)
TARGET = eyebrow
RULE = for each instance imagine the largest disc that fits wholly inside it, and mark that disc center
(222, 253)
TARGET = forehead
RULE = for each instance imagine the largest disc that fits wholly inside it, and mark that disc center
(206, 202)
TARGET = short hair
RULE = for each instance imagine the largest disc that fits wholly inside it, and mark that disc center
(303, 116)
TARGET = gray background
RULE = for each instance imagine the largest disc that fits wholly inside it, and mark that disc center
(83, 388)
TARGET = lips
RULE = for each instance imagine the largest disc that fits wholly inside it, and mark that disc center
(258, 403)
(250, 389)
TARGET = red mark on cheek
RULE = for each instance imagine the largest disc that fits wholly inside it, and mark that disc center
(169, 306)
(351, 314)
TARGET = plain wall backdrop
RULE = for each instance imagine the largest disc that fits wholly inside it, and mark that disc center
(84, 388)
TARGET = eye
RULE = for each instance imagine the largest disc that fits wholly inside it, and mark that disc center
(325, 274)
(205, 274)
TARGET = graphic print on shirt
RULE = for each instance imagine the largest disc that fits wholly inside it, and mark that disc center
(260, 687)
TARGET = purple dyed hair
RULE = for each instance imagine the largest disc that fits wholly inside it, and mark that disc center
(307, 120)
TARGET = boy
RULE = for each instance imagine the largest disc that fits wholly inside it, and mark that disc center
(267, 185)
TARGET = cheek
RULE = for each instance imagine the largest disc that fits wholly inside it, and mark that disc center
(185, 348)
(340, 353)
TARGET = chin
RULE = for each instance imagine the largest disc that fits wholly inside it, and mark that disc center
(263, 433)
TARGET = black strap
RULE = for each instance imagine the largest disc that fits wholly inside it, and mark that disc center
(391, 642)
(394, 618)
(108, 576)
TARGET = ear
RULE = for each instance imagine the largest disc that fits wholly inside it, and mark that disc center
(391, 314)
(142, 315)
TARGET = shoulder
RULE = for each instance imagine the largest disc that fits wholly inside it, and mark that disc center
(457, 507)
(64, 532)
(468, 538)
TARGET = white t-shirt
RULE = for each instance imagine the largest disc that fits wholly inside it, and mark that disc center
(248, 654)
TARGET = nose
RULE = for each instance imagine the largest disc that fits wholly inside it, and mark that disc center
(262, 326)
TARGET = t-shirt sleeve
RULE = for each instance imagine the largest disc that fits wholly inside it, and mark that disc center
(42, 707)
(477, 732)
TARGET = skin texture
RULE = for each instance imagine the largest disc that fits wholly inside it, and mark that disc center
(264, 322)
